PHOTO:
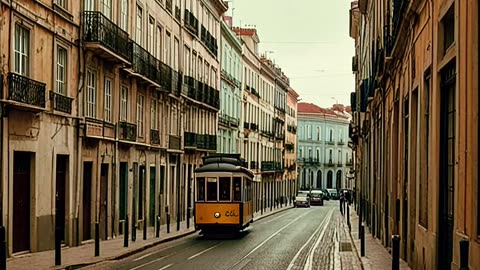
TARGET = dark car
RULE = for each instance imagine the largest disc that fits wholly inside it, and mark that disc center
(326, 195)
(334, 195)
(316, 197)
(302, 201)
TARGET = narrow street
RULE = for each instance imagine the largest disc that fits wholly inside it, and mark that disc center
(298, 238)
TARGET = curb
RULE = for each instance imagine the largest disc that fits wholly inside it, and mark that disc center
(127, 253)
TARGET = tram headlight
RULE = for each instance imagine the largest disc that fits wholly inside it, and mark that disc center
(216, 215)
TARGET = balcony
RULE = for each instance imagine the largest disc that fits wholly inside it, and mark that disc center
(200, 141)
(176, 82)
(253, 126)
(173, 142)
(292, 129)
(25, 90)
(246, 125)
(341, 142)
(166, 75)
(105, 38)
(146, 65)
(189, 140)
(329, 163)
(354, 63)
(349, 163)
(271, 166)
(209, 41)
(154, 137)
(290, 147)
(168, 5)
(339, 164)
(128, 131)
(191, 22)
(61, 103)
(331, 142)
(254, 165)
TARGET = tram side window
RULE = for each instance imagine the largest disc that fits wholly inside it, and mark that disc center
(249, 189)
(201, 189)
(237, 188)
(224, 187)
(212, 189)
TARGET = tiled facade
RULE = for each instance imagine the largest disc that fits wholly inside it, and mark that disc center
(415, 126)
(323, 154)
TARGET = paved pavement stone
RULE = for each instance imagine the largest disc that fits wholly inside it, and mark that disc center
(109, 250)
(376, 255)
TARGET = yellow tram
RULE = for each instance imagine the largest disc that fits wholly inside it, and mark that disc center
(223, 194)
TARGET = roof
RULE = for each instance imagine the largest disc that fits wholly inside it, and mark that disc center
(245, 31)
(310, 108)
(293, 93)
(224, 167)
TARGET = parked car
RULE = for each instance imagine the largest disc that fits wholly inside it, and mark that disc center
(334, 195)
(316, 197)
(302, 201)
(326, 195)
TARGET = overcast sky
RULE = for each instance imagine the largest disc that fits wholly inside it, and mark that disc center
(310, 41)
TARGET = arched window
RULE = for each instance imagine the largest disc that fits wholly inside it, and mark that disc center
(329, 179)
(319, 179)
(331, 135)
(339, 180)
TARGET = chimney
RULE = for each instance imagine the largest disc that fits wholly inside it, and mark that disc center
(228, 20)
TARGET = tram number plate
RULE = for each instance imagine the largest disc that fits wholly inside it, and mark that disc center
(231, 213)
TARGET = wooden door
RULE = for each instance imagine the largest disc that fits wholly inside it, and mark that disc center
(103, 219)
(60, 196)
(87, 201)
(21, 201)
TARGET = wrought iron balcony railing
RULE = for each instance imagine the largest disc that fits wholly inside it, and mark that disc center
(177, 13)
(176, 82)
(61, 103)
(154, 136)
(26, 90)
(98, 28)
(208, 40)
(189, 139)
(191, 22)
(166, 78)
(128, 131)
(254, 165)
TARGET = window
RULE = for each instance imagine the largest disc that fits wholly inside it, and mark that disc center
(108, 100)
(153, 115)
(168, 53)
(151, 36)
(330, 154)
(22, 50)
(194, 65)
(107, 8)
(175, 54)
(123, 14)
(62, 3)
(91, 110)
(318, 133)
(124, 103)
(237, 188)
(89, 5)
(448, 23)
(224, 187)
(139, 29)
(61, 70)
(331, 135)
(200, 188)
(158, 43)
(140, 124)
(211, 189)
(187, 61)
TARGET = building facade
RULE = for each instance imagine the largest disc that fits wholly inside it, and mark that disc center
(324, 158)
(291, 143)
(415, 126)
(113, 131)
(230, 91)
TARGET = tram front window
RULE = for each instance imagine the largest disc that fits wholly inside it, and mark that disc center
(224, 187)
(211, 189)
(201, 189)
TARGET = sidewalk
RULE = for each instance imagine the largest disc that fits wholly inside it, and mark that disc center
(376, 255)
(75, 257)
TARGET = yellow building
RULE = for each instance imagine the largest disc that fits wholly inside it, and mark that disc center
(107, 108)
(415, 128)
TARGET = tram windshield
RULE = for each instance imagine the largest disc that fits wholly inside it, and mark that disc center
(224, 188)
(211, 189)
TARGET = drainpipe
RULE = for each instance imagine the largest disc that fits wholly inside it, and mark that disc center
(80, 86)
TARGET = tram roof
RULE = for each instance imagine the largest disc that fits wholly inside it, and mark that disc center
(224, 167)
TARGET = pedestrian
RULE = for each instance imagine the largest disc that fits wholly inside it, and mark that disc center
(342, 198)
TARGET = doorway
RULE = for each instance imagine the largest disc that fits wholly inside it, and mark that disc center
(151, 213)
(103, 218)
(87, 200)
(21, 201)
(60, 196)
(447, 164)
